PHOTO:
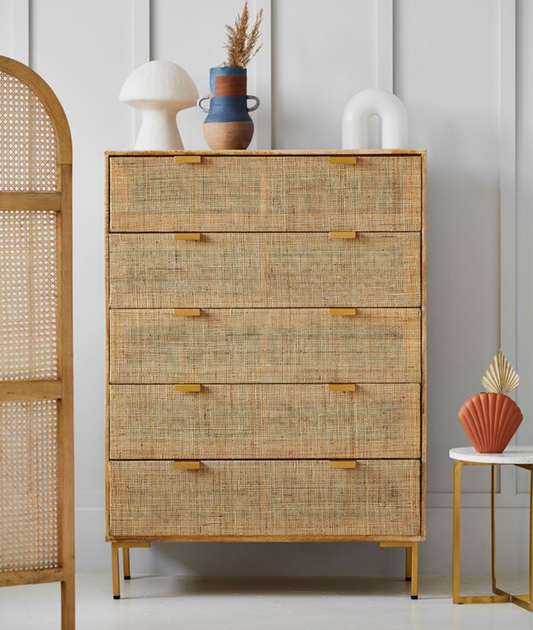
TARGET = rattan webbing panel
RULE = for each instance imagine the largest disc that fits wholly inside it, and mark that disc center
(29, 485)
(265, 194)
(27, 140)
(265, 346)
(264, 421)
(264, 270)
(28, 296)
(265, 498)
(36, 410)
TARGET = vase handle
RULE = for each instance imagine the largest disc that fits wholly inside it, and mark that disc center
(257, 103)
(200, 101)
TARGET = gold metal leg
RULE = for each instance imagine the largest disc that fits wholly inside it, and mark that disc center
(115, 570)
(126, 559)
(526, 601)
(501, 596)
(493, 525)
(414, 571)
(125, 546)
(456, 531)
(456, 572)
(411, 562)
(408, 563)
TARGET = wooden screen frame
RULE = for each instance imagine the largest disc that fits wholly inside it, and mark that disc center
(62, 388)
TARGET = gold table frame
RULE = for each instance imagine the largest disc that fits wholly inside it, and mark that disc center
(500, 596)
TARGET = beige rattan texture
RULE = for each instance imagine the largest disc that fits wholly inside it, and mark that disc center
(265, 498)
(265, 346)
(264, 270)
(252, 193)
(29, 483)
(27, 141)
(264, 421)
(28, 295)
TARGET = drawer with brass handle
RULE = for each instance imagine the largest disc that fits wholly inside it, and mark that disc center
(264, 270)
(283, 193)
(187, 159)
(187, 465)
(274, 421)
(342, 463)
(374, 498)
(265, 346)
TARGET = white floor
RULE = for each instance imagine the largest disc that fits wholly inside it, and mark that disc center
(165, 603)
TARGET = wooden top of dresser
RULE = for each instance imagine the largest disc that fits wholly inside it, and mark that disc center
(266, 152)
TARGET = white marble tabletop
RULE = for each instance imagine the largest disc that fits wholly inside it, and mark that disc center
(511, 455)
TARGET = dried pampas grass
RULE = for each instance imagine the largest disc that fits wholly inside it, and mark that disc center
(241, 45)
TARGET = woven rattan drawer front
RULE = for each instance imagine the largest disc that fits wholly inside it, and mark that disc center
(264, 422)
(265, 346)
(266, 194)
(265, 498)
(264, 270)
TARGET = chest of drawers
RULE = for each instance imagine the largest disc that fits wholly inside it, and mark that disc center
(265, 347)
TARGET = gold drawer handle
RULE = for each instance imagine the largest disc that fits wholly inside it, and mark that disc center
(342, 234)
(343, 159)
(188, 387)
(186, 465)
(187, 236)
(187, 312)
(342, 387)
(342, 312)
(342, 463)
(187, 159)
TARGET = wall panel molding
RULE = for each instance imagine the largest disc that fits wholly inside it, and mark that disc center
(508, 216)
(508, 496)
(21, 31)
(508, 178)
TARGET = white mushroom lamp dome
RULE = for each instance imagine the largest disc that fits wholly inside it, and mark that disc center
(159, 89)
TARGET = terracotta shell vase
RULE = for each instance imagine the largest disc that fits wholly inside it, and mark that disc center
(228, 124)
(490, 421)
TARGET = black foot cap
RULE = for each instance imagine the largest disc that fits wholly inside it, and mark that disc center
(127, 577)
(116, 596)
(407, 579)
(414, 596)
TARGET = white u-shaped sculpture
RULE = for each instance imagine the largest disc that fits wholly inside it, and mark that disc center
(369, 103)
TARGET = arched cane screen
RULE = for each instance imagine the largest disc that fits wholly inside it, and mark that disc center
(29, 473)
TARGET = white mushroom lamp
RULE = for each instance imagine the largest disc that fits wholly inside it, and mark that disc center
(159, 89)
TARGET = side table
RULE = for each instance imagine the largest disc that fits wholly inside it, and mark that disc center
(521, 456)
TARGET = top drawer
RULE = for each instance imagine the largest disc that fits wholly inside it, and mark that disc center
(265, 194)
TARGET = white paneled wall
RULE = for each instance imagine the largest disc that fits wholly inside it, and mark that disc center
(463, 68)
(524, 191)
(319, 63)
(85, 69)
(453, 101)
(7, 27)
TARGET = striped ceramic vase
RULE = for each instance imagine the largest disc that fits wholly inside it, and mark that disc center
(228, 124)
